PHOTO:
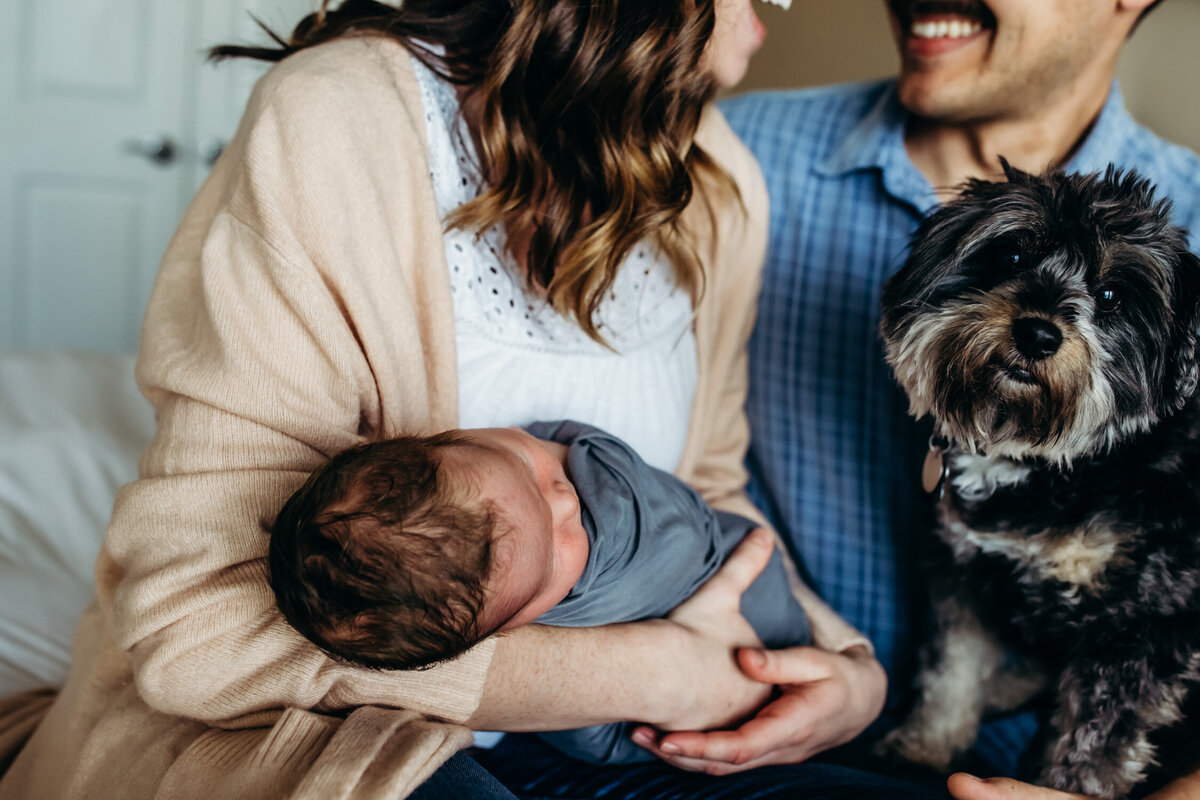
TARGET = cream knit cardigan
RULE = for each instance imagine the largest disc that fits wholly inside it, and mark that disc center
(304, 306)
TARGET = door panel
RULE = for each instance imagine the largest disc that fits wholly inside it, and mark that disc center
(84, 217)
(71, 289)
(107, 43)
(107, 111)
(223, 89)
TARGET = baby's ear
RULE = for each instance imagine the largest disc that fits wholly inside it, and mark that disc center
(1183, 371)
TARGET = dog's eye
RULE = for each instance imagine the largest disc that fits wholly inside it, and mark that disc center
(1108, 299)
(1004, 254)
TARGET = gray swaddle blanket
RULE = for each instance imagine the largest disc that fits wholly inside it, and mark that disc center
(653, 542)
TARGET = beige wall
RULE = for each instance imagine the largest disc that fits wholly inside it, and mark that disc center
(829, 41)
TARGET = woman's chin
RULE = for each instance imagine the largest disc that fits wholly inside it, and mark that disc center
(729, 75)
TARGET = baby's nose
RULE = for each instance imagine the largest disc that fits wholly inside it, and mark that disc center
(564, 501)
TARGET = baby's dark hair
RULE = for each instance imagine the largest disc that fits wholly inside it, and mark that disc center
(379, 560)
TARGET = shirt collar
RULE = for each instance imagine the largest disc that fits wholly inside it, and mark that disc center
(877, 142)
(872, 139)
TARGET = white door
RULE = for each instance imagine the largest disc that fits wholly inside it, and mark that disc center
(222, 90)
(107, 116)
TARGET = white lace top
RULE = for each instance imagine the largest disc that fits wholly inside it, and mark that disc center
(520, 361)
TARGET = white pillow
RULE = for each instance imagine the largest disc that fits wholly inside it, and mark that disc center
(71, 428)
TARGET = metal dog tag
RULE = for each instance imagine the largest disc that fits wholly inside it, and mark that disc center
(931, 473)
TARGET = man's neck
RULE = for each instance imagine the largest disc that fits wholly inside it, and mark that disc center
(949, 153)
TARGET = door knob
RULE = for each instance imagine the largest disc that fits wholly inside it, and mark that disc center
(157, 148)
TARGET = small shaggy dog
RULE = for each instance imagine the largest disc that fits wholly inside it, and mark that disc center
(1049, 326)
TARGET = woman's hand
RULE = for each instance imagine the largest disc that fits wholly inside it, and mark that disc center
(714, 692)
(678, 673)
(826, 699)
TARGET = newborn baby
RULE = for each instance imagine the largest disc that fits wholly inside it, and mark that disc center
(406, 552)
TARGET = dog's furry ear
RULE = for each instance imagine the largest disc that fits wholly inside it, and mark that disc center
(934, 255)
(1183, 369)
(1011, 173)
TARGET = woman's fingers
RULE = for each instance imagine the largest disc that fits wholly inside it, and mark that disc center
(654, 742)
(782, 730)
(757, 739)
(712, 606)
(743, 565)
(719, 693)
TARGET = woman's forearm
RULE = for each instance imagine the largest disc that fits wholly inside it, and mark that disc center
(545, 678)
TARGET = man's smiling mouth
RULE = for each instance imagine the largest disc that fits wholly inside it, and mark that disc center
(943, 19)
(945, 29)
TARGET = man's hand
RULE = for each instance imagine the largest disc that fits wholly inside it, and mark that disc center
(968, 787)
(825, 699)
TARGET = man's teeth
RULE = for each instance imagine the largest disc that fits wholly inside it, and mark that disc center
(946, 29)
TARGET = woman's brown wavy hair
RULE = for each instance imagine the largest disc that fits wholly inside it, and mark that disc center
(587, 114)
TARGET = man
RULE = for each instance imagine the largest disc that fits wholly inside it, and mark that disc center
(851, 170)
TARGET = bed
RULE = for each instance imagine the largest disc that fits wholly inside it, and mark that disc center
(71, 428)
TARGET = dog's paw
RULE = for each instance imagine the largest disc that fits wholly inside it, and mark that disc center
(914, 745)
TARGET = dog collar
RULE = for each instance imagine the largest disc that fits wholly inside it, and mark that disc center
(933, 473)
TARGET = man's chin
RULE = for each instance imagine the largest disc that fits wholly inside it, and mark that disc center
(922, 94)
(939, 94)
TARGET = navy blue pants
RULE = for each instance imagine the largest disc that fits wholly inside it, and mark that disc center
(461, 777)
(531, 769)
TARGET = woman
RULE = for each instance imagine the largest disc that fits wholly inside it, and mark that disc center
(454, 214)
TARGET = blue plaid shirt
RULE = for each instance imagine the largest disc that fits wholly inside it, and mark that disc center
(834, 459)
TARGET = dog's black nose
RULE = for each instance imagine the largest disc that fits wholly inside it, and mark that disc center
(1036, 338)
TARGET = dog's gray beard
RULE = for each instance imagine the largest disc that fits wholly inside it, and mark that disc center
(950, 364)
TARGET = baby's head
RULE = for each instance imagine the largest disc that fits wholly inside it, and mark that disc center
(402, 553)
